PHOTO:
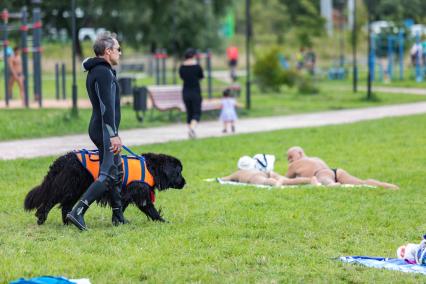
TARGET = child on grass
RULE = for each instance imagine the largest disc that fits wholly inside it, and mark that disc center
(228, 113)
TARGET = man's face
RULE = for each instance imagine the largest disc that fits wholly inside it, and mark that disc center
(114, 53)
(293, 155)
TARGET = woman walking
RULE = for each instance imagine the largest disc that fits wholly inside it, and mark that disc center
(191, 73)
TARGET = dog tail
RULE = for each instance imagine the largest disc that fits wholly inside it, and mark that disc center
(39, 194)
(32, 200)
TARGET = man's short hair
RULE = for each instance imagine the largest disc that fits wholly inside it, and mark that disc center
(16, 49)
(103, 41)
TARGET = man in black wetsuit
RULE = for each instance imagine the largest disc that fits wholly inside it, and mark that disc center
(102, 87)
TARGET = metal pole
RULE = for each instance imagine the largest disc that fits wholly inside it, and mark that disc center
(74, 45)
(342, 40)
(354, 51)
(24, 52)
(401, 54)
(248, 37)
(5, 17)
(370, 55)
(64, 76)
(209, 73)
(37, 53)
(157, 68)
(163, 61)
(57, 81)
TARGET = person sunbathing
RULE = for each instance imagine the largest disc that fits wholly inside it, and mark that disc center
(301, 165)
(250, 172)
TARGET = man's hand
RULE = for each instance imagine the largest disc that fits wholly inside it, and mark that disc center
(115, 144)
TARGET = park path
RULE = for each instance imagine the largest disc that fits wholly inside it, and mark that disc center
(58, 145)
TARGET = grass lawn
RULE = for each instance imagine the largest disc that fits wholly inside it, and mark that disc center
(33, 123)
(226, 234)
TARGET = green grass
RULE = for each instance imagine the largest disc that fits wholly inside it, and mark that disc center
(34, 123)
(231, 234)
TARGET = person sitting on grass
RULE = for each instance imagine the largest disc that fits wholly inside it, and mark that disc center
(250, 173)
(300, 165)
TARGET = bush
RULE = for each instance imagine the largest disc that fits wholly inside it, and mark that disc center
(306, 86)
(267, 70)
(270, 75)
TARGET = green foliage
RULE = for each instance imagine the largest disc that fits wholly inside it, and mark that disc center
(306, 85)
(306, 19)
(36, 123)
(267, 70)
(175, 25)
(229, 234)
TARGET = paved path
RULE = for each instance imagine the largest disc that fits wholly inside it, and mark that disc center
(59, 145)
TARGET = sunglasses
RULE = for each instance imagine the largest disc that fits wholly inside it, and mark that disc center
(118, 49)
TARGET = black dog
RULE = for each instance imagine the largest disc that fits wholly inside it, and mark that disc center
(67, 179)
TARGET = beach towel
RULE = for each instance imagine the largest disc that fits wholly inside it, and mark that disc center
(219, 180)
(385, 263)
(50, 280)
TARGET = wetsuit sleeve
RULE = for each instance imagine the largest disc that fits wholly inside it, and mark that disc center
(105, 90)
(201, 73)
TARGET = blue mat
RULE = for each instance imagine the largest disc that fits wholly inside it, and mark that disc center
(386, 263)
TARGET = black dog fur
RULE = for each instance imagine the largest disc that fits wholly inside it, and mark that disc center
(67, 179)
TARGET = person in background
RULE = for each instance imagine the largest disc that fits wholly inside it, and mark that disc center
(300, 165)
(228, 114)
(15, 73)
(232, 55)
(191, 73)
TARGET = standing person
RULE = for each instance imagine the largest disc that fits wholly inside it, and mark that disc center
(310, 61)
(191, 73)
(15, 73)
(300, 58)
(232, 54)
(228, 115)
(103, 91)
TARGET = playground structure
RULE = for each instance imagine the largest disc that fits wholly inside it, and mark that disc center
(389, 48)
(36, 49)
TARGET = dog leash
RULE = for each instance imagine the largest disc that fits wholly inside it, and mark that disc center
(130, 151)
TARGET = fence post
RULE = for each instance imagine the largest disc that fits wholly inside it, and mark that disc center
(5, 18)
(209, 73)
(64, 94)
(24, 52)
(57, 81)
(37, 55)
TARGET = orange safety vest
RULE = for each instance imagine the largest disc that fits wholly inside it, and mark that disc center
(134, 168)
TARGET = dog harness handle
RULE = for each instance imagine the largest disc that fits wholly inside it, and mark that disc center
(131, 152)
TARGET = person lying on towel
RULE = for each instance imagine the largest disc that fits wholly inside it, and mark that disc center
(300, 165)
(257, 170)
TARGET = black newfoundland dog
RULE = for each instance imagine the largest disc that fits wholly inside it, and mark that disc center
(67, 179)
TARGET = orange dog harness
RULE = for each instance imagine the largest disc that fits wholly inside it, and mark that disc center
(134, 168)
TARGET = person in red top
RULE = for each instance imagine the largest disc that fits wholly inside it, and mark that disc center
(232, 55)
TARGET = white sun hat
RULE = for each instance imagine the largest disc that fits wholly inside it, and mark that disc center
(246, 163)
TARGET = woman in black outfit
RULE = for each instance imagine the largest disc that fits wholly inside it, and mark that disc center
(191, 73)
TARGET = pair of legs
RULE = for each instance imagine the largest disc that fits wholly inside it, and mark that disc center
(20, 81)
(233, 69)
(263, 178)
(193, 112)
(330, 178)
(225, 126)
(110, 179)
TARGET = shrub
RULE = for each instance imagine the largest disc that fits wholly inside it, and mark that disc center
(267, 70)
(306, 85)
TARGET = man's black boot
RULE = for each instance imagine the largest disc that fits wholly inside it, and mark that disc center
(76, 216)
(117, 208)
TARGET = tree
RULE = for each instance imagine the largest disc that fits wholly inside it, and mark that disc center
(306, 19)
(173, 24)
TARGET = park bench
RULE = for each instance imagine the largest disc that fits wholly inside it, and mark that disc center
(169, 98)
